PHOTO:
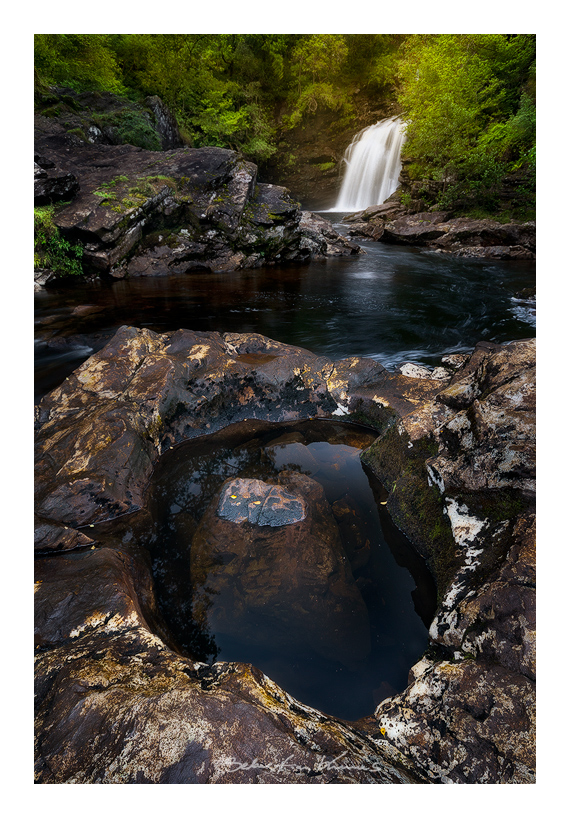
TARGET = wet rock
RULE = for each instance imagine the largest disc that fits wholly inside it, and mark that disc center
(466, 722)
(420, 372)
(49, 537)
(319, 236)
(267, 564)
(439, 231)
(456, 460)
(123, 708)
(491, 441)
(470, 718)
(266, 505)
(140, 212)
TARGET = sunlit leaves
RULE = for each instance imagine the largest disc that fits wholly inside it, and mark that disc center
(468, 115)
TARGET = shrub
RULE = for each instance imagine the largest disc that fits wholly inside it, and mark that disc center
(51, 250)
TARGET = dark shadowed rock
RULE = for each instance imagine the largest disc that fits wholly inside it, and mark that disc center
(139, 212)
(439, 231)
(52, 184)
(165, 123)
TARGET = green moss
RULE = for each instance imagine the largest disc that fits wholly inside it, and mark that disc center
(131, 127)
(77, 132)
(415, 505)
(495, 505)
(54, 111)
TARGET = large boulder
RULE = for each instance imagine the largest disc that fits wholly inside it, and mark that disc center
(477, 468)
(101, 432)
(142, 212)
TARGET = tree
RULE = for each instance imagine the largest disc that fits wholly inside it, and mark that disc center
(469, 117)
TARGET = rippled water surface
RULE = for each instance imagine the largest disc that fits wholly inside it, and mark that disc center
(393, 304)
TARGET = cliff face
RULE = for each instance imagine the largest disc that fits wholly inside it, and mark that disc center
(309, 156)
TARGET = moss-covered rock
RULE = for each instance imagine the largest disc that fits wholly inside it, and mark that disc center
(209, 199)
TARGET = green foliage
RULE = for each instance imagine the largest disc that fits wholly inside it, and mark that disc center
(79, 61)
(316, 59)
(51, 250)
(131, 127)
(470, 120)
(469, 98)
(231, 90)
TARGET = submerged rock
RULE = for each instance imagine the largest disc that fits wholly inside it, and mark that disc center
(266, 505)
(268, 565)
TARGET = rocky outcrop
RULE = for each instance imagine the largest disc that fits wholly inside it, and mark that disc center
(51, 183)
(440, 231)
(468, 714)
(143, 213)
(118, 703)
(100, 117)
(165, 123)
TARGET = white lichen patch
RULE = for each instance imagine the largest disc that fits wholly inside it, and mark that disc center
(421, 667)
(465, 527)
(461, 426)
(471, 556)
(435, 479)
(341, 411)
(415, 371)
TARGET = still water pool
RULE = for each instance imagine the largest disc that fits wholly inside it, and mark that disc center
(334, 608)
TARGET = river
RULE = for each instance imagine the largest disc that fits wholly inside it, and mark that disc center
(393, 304)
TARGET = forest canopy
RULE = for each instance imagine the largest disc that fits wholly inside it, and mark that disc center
(469, 100)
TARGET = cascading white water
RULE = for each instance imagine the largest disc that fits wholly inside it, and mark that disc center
(373, 164)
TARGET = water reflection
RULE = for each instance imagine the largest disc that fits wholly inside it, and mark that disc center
(334, 607)
(393, 304)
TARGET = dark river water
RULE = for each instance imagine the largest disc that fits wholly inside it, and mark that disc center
(392, 304)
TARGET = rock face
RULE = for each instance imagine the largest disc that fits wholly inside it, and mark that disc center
(146, 212)
(468, 715)
(267, 563)
(144, 392)
(165, 123)
(439, 231)
(51, 183)
(116, 701)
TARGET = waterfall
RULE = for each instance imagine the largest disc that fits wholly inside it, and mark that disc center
(373, 163)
